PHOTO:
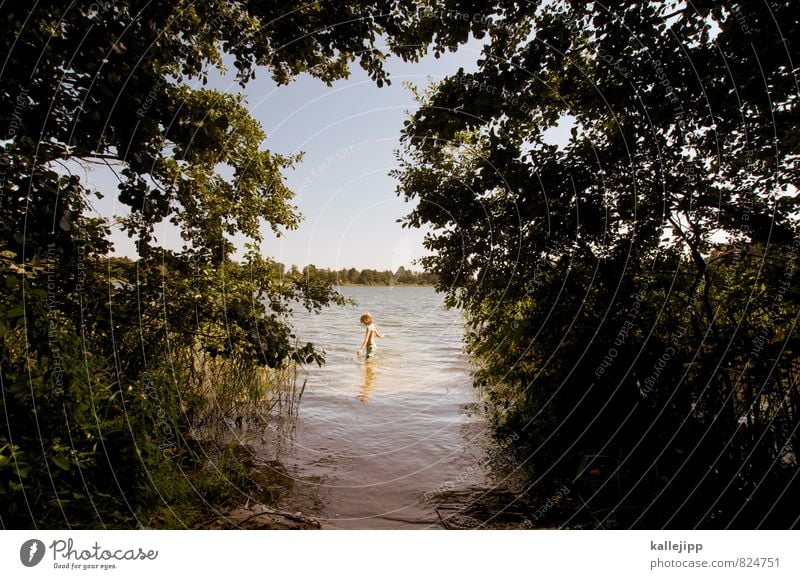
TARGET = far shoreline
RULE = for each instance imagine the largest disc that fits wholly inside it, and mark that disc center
(383, 285)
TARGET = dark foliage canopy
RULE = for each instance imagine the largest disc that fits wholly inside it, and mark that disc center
(104, 363)
(633, 291)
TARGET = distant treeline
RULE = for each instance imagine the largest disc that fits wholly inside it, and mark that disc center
(344, 276)
(353, 276)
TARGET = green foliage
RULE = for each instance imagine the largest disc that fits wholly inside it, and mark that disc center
(107, 365)
(632, 294)
(313, 275)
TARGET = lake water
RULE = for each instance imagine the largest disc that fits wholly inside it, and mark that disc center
(401, 440)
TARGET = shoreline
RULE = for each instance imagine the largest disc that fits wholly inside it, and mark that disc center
(383, 285)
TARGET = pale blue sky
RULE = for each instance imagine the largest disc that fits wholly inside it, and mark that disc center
(348, 133)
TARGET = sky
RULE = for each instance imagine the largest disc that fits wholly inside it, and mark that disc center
(348, 134)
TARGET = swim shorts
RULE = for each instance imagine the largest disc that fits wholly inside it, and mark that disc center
(371, 349)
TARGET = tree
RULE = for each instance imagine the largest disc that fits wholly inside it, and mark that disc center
(604, 326)
(103, 365)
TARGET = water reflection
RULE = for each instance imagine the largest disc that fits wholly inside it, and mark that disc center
(373, 437)
(369, 381)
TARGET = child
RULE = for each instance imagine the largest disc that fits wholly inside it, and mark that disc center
(369, 338)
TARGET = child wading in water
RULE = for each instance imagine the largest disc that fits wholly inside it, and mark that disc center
(369, 338)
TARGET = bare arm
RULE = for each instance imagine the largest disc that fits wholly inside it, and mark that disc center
(364, 343)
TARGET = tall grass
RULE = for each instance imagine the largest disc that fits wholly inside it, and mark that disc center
(223, 405)
(221, 393)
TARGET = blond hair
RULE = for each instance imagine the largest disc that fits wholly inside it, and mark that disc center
(366, 319)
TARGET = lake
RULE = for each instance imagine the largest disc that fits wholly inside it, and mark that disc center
(401, 440)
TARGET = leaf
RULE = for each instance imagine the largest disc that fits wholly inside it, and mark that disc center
(15, 312)
(61, 462)
(582, 465)
(65, 223)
